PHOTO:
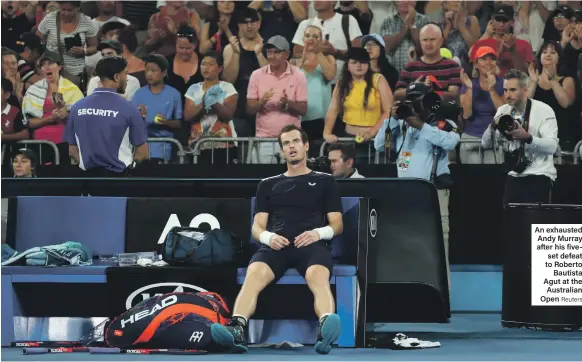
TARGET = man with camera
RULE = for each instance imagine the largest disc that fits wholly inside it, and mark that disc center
(419, 135)
(531, 129)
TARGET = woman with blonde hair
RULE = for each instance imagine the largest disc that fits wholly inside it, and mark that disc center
(319, 70)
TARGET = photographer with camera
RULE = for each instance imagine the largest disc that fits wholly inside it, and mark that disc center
(532, 131)
(419, 135)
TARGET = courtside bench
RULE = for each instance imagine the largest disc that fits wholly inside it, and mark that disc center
(100, 224)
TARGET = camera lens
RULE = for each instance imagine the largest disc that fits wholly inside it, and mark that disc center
(506, 124)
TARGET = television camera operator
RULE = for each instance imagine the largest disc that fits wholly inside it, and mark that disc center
(418, 136)
(530, 128)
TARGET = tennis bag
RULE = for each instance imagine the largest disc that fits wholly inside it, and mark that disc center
(188, 246)
(169, 321)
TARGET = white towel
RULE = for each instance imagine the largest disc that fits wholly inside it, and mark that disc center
(402, 341)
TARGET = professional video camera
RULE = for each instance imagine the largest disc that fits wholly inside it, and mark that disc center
(430, 107)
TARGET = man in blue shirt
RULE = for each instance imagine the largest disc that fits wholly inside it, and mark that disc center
(419, 146)
(160, 105)
(104, 128)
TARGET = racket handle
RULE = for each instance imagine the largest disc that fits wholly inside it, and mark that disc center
(35, 350)
(104, 350)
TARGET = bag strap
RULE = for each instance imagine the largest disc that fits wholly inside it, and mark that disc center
(59, 46)
(525, 126)
(215, 296)
(346, 29)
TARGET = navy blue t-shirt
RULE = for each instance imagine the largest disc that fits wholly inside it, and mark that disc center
(297, 204)
(105, 127)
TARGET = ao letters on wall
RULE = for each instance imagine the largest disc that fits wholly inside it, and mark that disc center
(150, 219)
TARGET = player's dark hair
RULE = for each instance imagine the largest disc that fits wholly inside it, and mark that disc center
(109, 66)
(347, 151)
(290, 128)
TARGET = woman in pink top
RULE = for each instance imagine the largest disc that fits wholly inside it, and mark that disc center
(46, 106)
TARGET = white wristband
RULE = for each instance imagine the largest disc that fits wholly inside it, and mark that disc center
(325, 233)
(265, 237)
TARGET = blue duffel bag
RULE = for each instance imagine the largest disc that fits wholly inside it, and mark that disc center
(193, 246)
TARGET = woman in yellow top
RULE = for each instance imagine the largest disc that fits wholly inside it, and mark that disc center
(362, 97)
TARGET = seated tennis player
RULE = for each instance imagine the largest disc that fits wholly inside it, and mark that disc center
(296, 215)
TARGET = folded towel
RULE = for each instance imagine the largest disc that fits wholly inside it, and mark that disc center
(7, 252)
(67, 253)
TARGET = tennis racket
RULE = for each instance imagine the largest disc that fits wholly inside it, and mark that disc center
(41, 350)
(104, 350)
(46, 344)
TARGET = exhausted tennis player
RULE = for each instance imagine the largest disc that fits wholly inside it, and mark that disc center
(296, 215)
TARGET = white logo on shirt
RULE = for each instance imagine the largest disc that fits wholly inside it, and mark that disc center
(311, 184)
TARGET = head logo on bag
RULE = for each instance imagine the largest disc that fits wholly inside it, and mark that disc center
(174, 320)
(166, 302)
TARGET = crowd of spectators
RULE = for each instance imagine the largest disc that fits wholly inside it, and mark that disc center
(200, 69)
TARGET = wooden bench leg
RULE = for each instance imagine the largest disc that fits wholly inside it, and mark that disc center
(345, 290)
(8, 308)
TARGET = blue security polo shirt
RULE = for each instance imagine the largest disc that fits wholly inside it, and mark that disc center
(105, 127)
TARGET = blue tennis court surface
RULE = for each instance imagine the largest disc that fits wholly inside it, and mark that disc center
(467, 337)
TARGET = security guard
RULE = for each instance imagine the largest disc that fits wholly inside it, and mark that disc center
(419, 146)
(104, 128)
